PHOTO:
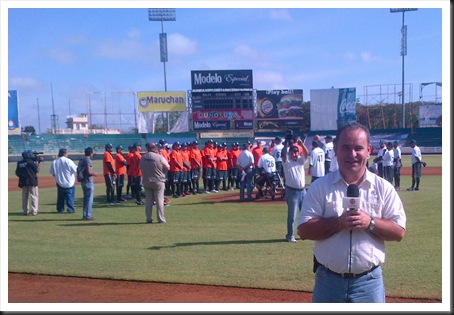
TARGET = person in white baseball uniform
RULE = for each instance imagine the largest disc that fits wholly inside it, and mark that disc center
(397, 164)
(388, 163)
(267, 169)
(416, 161)
(316, 161)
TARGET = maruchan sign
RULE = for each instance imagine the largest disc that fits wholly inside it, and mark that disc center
(221, 79)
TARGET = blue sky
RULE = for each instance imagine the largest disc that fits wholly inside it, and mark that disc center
(106, 50)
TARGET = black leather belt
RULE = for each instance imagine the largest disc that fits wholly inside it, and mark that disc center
(297, 189)
(352, 275)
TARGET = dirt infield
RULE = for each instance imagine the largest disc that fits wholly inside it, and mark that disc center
(28, 288)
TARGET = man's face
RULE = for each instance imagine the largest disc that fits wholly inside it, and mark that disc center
(352, 150)
(293, 153)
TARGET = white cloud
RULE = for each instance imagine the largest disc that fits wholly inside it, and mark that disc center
(280, 14)
(24, 83)
(246, 51)
(181, 45)
(61, 55)
(128, 48)
(269, 80)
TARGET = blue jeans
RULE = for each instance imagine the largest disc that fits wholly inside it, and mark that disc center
(294, 198)
(68, 195)
(89, 189)
(248, 184)
(332, 288)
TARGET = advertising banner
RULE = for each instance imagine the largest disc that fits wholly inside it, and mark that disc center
(332, 108)
(211, 125)
(221, 79)
(162, 101)
(279, 109)
(213, 115)
(13, 113)
(346, 106)
(430, 116)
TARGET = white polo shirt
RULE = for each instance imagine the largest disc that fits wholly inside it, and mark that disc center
(324, 200)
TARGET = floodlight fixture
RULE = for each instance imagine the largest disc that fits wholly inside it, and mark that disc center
(403, 53)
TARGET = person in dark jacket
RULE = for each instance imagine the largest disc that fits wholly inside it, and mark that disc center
(27, 170)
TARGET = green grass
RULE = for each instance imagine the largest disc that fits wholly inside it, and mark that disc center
(206, 242)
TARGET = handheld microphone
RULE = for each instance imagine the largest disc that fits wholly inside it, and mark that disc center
(351, 202)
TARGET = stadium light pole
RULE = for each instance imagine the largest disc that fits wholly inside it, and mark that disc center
(162, 15)
(403, 52)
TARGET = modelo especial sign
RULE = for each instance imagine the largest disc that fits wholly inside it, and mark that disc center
(221, 79)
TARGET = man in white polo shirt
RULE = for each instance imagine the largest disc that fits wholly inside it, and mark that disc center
(63, 170)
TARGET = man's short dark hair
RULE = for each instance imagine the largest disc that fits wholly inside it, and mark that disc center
(353, 126)
(88, 151)
(62, 152)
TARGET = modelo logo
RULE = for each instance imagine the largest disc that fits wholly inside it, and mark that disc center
(208, 79)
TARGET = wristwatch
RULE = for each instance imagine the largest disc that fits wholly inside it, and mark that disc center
(371, 226)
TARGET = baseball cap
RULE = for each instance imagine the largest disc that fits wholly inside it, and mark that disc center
(119, 147)
(278, 138)
(195, 142)
(210, 141)
(162, 141)
(176, 143)
(412, 141)
(329, 137)
(109, 145)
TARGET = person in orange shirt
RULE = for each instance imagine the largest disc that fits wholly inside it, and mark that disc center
(108, 167)
(195, 159)
(120, 169)
(234, 171)
(128, 173)
(185, 181)
(136, 173)
(221, 167)
(166, 153)
(209, 166)
(176, 167)
(257, 152)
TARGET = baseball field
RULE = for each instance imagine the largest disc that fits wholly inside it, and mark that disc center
(212, 250)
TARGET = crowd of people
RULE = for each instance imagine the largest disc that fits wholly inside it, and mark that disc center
(348, 241)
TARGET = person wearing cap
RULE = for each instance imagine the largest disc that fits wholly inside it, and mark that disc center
(128, 172)
(316, 161)
(397, 164)
(153, 166)
(63, 170)
(267, 171)
(108, 167)
(176, 167)
(165, 152)
(234, 178)
(120, 169)
(295, 182)
(245, 164)
(416, 160)
(388, 163)
(329, 150)
(277, 154)
(136, 173)
(185, 180)
(221, 167)
(195, 160)
(257, 152)
(379, 158)
(209, 166)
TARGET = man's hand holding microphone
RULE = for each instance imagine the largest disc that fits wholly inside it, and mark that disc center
(353, 218)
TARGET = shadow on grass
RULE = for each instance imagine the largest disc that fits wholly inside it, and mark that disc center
(237, 242)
